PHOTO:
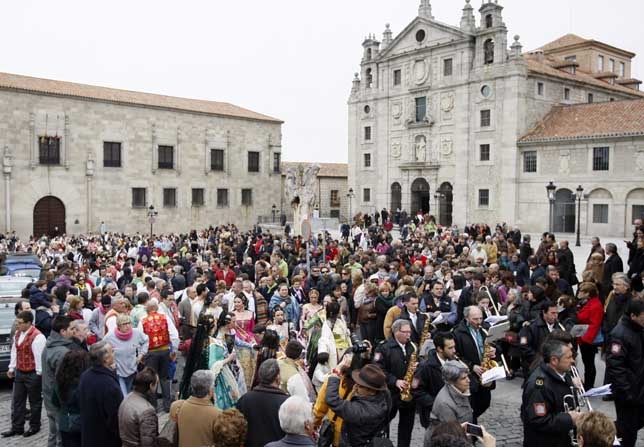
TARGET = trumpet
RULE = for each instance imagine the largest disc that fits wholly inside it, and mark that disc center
(575, 401)
(582, 401)
(486, 290)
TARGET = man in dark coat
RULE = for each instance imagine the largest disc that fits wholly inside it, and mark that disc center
(612, 264)
(566, 263)
(261, 406)
(416, 319)
(99, 399)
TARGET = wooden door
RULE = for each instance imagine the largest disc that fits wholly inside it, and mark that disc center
(49, 217)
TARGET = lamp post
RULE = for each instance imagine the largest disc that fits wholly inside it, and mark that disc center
(350, 196)
(578, 195)
(438, 196)
(273, 211)
(550, 189)
(152, 213)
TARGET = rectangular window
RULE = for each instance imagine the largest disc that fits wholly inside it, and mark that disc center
(622, 69)
(601, 158)
(367, 133)
(486, 118)
(49, 150)
(277, 162)
(367, 160)
(591, 98)
(572, 58)
(169, 197)
(366, 194)
(166, 157)
(600, 63)
(447, 67)
(600, 213)
(335, 198)
(334, 213)
(216, 159)
(397, 77)
(611, 65)
(222, 198)
(638, 212)
(111, 154)
(567, 94)
(540, 88)
(247, 197)
(138, 198)
(253, 161)
(484, 198)
(530, 161)
(421, 109)
(197, 197)
(484, 152)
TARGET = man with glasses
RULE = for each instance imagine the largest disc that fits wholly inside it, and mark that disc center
(25, 367)
(393, 356)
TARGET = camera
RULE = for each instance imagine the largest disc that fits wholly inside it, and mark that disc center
(359, 346)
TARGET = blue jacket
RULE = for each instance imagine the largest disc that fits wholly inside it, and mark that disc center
(38, 298)
(291, 310)
(99, 398)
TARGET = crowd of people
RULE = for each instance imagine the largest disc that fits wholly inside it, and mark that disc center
(244, 338)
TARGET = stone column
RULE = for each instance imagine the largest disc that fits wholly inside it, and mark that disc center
(155, 150)
(33, 155)
(7, 165)
(89, 176)
(66, 142)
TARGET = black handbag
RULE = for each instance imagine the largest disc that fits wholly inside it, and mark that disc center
(327, 432)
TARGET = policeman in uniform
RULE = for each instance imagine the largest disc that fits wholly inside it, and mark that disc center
(532, 335)
(393, 356)
(625, 372)
(545, 421)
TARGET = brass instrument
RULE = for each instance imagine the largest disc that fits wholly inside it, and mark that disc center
(489, 363)
(575, 401)
(405, 395)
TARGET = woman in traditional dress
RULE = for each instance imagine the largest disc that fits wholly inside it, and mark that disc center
(244, 324)
(309, 310)
(227, 334)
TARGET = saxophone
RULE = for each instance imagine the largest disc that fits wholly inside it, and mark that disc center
(487, 362)
(405, 395)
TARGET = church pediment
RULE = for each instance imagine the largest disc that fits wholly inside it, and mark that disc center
(422, 33)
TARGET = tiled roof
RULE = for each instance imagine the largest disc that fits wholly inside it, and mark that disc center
(545, 65)
(326, 169)
(597, 120)
(62, 88)
(564, 41)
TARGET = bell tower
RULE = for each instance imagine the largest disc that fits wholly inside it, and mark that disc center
(492, 35)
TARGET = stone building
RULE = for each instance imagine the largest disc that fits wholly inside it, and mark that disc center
(332, 190)
(436, 114)
(77, 155)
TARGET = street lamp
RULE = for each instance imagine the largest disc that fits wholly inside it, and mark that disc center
(273, 211)
(438, 196)
(578, 196)
(350, 196)
(550, 188)
(152, 213)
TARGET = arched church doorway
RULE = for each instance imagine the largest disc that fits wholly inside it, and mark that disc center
(396, 197)
(49, 217)
(445, 199)
(420, 196)
(565, 212)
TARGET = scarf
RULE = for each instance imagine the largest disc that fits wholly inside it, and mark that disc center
(123, 336)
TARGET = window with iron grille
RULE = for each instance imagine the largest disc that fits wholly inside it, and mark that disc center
(484, 152)
(216, 159)
(397, 77)
(198, 197)
(447, 67)
(530, 161)
(49, 150)
(169, 197)
(111, 154)
(277, 160)
(222, 198)
(166, 157)
(366, 195)
(247, 197)
(138, 198)
(486, 118)
(335, 198)
(367, 133)
(367, 160)
(600, 213)
(567, 94)
(601, 158)
(540, 88)
(421, 109)
(484, 198)
(253, 161)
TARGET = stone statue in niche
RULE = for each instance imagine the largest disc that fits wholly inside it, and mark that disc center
(639, 160)
(299, 189)
(564, 162)
(420, 148)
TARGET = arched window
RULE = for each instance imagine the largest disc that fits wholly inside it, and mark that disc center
(368, 54)
(488, 51)
(369, 78)
(488, 21)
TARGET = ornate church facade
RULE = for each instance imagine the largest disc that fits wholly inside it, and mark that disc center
(458, 122)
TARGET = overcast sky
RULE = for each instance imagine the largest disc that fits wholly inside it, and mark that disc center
(291, 59)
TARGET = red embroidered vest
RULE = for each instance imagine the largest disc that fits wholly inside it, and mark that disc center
(24, 355)
(155, 327)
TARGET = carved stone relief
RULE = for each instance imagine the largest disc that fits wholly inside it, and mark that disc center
(447, 146)
(564, 162)
(420, 71)
(395, 149)
(639, 160)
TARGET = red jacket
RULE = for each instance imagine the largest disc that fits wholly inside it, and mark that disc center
(592, 314)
